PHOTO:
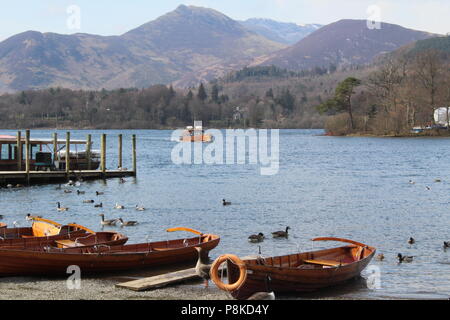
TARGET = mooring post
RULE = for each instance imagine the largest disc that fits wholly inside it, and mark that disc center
(103, 154)
(27, 154)
(88, 151)
(120, 152)
(19, 151)
(134, 154)
(55, 147)
(68, 154)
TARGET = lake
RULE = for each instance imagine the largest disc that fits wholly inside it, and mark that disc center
(350, 187)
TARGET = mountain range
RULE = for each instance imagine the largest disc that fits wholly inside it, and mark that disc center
(186, 46)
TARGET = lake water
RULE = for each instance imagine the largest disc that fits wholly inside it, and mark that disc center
(355, 188)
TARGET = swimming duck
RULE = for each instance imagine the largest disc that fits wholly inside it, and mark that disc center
(402, 258)
(127, 223)
(226, 203)
(88, 201)
(61, 208)
(203, 267)
(380, 257)
(80, 192)
(98, 193)
(281, 234)
(428, 188)
(446, 244)
(67, 191)
(100, 205)
(411, 241)
(256, 237)
(437, 180)
(411, 182)
(118, 206)
(122, 180)
(111, 222)
(269, 295)
(138, 208)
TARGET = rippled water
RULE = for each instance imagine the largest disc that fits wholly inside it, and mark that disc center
(327, 186)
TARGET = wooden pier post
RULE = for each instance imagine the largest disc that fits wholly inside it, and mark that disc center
(27, 154)
(68, 154)
(55, 146)
(19, 151)
(134, 154)
(88, 151)
(103, 154)
(120, 152)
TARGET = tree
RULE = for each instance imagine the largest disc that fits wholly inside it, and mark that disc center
(215, 93)
(201, 95)
(342, 100)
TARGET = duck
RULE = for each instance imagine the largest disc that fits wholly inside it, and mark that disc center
(437, 180)
(118, 206)
(411, 182)
(122, 180)
(402, 258)
(67, 191)
(281, 234)
(100, 205)
(380, 257)
(411, 241)
(111, 222)
(428, 188)
(88, 201)
(226, 203)
(256, 237)
(127, 223)
(446, 244)
(30, 217)
(61, 208)
(138, 208)
(268, 295)
(98, 193)
(202, 268)
(80, 192)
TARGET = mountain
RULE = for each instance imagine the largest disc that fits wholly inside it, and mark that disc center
(282, 32)
(342, 43)
(185, 46)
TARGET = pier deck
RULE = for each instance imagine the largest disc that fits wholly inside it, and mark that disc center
(42, 177)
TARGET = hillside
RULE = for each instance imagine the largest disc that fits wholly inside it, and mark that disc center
(282, 32)
(343, 43)
(187, 45)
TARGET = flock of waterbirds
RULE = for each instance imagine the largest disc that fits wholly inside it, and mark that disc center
(103, 221)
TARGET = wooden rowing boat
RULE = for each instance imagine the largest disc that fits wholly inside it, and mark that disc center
(102, 258)
(3, 225)
(44, 232)
(300, 272)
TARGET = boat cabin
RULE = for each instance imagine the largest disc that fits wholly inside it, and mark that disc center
(42, 156)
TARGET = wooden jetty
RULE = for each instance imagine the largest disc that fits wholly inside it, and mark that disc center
(20, 165)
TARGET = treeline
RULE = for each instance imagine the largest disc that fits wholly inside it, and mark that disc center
(402, 93)
(156, 107)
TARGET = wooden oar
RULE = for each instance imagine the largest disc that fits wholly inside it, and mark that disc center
(185, 229)
(81, 227)
(56, 224)
(340, 240)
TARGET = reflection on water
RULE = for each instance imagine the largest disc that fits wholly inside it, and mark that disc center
(354, 188)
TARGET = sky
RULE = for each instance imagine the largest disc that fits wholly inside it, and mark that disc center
(106, 17)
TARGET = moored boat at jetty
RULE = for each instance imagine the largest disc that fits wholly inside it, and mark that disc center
(299, 272)
(44, 156)
(103, 258)
(44, 232)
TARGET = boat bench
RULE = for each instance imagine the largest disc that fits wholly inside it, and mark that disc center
(67, 243)
(328, 263)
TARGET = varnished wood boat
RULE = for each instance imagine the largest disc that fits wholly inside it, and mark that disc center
(44, 232)
(3, 225)
(300, 272)
(195, 134)
(103, 258)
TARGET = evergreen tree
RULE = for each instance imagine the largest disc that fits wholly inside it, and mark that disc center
(201, 95)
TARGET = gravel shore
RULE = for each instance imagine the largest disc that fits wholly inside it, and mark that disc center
(100, 289)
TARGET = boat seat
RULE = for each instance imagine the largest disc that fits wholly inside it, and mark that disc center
(67, 244)
(328, 263)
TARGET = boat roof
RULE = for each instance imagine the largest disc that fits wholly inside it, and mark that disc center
(13, 139)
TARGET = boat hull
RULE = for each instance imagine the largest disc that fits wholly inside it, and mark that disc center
(92, 260)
